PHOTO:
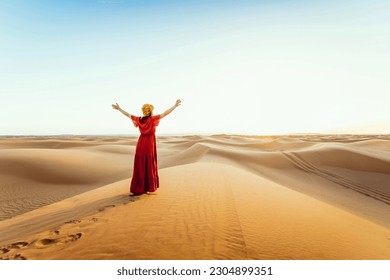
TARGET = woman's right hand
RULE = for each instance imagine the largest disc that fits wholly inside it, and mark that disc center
(178, 102)
(116, 106)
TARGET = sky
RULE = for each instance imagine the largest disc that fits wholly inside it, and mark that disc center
(239, 67)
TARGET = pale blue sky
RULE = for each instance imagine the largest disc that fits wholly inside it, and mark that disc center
(253, 67)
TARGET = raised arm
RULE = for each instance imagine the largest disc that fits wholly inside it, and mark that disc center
(167, 112)
(117, 107)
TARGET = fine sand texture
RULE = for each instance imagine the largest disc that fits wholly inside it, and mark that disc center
(220, 197)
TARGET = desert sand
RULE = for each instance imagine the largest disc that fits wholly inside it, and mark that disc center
(220, 197)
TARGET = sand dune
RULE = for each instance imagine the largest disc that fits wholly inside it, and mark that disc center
(221, 197)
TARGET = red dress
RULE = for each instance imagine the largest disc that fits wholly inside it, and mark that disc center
(145, 173)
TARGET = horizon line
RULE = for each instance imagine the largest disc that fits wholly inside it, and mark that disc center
(186, 134)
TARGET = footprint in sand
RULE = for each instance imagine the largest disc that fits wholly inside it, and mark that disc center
(74, 237)
(8, 254)
(4, 250)
(62, 239)
(7, 251)
(14, 257)
(105, 207)
(73, 222)
(46, 241)
(19, 257)
(18, 245)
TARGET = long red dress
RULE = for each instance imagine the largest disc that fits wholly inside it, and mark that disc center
(145, 172)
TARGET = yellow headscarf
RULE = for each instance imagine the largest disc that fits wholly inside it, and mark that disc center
(147, 110)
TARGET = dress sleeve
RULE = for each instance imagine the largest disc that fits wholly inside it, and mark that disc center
(135, 120)
(156, 120)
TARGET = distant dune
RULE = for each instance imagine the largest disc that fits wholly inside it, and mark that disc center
(221, 197)
(376, 129)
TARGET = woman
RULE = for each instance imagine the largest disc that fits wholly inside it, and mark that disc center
(145, 173)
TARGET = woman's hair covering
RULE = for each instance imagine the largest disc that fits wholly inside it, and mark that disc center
(147, 110)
